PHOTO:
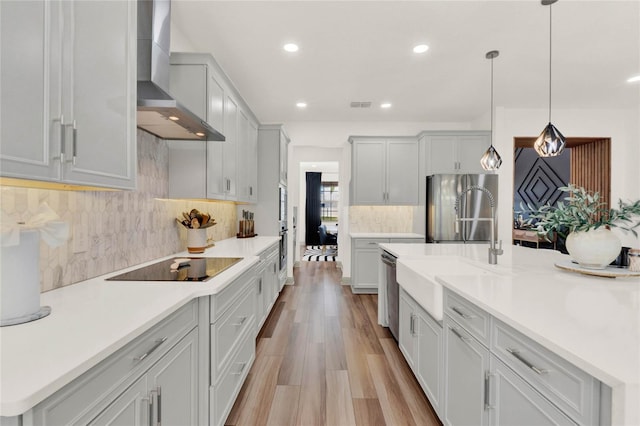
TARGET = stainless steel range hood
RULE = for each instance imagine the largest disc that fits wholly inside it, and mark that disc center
(158, 112)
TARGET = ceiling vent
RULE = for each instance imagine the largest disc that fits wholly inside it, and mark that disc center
(360, 104)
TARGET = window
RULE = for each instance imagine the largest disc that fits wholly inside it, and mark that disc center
(329, 201)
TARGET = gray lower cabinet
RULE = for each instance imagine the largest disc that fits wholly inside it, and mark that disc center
(365, 258)
(496, 375)
(420, 341)
(365, 261)
(512, 401)
(466, 370)
(155, 375)
(166, 394)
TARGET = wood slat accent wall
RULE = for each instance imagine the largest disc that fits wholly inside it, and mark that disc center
(591, 167)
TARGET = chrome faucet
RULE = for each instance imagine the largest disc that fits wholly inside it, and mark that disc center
(493, 251)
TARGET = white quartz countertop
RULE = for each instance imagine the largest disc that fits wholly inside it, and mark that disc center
(592, 322)
(91, 320)
(385, 235)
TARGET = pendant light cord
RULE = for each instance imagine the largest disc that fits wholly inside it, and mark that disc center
(550, 44)
(491, 124)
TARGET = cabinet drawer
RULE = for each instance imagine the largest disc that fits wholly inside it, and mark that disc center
(223, 300)
(476, 321)
(226, 332)
(370, 243)
(84, 395)
(574, 391)
(271, 251)
(223, 395)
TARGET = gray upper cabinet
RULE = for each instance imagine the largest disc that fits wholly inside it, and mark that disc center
(214, 170)
(68, 93)
(384, 171)
(454, 151)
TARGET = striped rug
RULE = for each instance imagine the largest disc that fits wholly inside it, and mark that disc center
(314, 254)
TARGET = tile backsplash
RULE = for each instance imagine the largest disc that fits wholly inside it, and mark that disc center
(381, 218)
(124, 228)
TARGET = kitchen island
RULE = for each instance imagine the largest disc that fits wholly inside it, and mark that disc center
(592, 323)
(92, 320)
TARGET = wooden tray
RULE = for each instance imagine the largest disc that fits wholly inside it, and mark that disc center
(246, 236)
(608, 272)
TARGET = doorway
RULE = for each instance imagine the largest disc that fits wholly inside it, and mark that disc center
(586, 162)
(326, 209)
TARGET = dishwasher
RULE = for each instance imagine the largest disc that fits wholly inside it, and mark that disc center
(393, 292)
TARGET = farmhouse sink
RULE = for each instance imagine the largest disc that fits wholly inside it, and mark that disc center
(418, 277)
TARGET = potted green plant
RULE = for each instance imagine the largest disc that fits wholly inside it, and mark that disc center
(586, 223)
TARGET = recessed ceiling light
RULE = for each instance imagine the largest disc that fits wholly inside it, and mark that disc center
(301, 104)
(290, 47)
(173, 118)
(421, 48)
(199, 134)
(634, 79)
(385, 105)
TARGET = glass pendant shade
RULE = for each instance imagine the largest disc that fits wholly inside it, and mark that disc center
(491, 159)
(550, 143)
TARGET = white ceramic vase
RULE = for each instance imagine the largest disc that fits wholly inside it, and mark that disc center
(196, 240)
(593, 249)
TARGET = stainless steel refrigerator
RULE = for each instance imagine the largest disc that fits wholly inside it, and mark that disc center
(442, 192)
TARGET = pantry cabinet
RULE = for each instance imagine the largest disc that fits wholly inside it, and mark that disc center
(454, 151)
(68, 92)
(384, 171)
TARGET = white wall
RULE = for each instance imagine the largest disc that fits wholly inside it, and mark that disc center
(622, 126)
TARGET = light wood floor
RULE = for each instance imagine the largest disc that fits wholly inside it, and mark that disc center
(323, 360)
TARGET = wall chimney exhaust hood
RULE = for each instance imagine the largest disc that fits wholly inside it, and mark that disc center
(158, 112)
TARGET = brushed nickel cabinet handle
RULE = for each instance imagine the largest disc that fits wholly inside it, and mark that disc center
(242, 320)
(487, 387)
(461, 313)
(457, 333)
(516, 355)
(157, 344)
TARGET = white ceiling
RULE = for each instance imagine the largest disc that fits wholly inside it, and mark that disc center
(362, 51)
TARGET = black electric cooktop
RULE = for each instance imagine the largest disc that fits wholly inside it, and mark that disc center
(180, 269)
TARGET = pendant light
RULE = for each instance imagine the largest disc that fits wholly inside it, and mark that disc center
(550, 143)
(491, 159)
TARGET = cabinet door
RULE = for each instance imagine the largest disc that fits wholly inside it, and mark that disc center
(369, 172)
(514, 402)
(260, 299)
(230, 149)
(215, 115)
(366, 268)
(99, 92)
(406, 324)
(242, 171)
(470, 150)
(175, 378)
(429, 372)
(467, 364)
(442, 154)
(284, 160)
(402, 172)
(130, 408)
(216, 183)
(188, 83)
(30, 109)
(252, 162)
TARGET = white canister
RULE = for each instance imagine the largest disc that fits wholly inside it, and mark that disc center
(196, 240)
(20, 280)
